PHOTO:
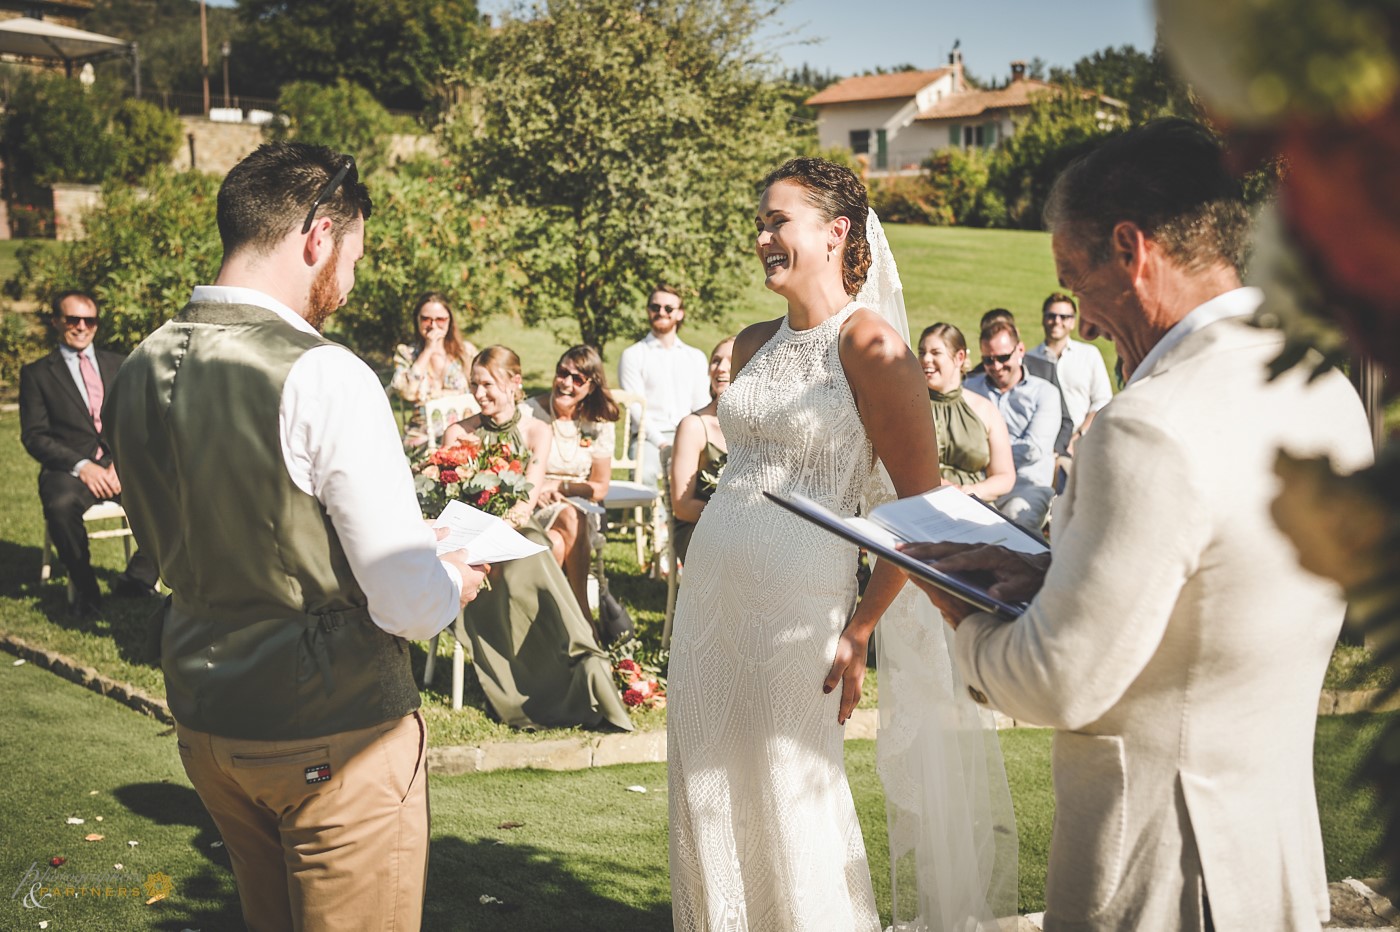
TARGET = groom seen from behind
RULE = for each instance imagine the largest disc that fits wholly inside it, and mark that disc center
(1175, 645)
(263, 471)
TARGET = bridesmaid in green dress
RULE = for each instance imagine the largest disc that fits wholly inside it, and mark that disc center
(974, 448)
(699, 452)
(534, 652)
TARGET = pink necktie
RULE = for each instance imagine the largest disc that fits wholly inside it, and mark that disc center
(94, 389)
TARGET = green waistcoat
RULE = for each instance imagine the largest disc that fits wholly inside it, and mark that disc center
(266, 634)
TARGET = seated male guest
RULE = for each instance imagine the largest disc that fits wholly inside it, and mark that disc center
(1032, 411)
(60, 413)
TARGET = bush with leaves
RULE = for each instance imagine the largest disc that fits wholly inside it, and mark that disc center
(428, 233)
(342, 115)
(909, 199)
(143, 253)
(961, 176)
(627, 141)
(56, 130)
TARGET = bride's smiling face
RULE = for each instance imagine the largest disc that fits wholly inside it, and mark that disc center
(794, 240)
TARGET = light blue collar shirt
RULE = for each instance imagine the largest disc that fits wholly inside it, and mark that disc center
(1031, 409)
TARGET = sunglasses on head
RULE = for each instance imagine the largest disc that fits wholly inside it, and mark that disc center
(663, 308)
(70, 320)
(347, 170)
(1000, 360)
(578, 378)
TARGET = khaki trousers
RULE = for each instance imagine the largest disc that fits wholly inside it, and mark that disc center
(325, 833)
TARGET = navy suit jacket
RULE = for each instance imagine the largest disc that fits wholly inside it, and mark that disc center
(55, 426)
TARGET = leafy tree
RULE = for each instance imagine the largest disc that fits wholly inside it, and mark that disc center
(626, 139)
(1058, 128)
(168, 33)
(398, 49)
(1144, 81)
(344, 116)
(428, 232)
(56, 130)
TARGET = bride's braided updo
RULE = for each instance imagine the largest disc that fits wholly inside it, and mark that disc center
(835, 191)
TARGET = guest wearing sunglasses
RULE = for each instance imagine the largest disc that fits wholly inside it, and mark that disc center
(1031, 408)
(1079, 367)
(60, 411)
(436, 365)
(672, 376)
(580, 411)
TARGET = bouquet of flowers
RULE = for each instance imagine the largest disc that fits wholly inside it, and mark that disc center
(486, 476)
(639, 680)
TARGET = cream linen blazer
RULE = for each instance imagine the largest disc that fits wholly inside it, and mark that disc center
(1179, 650)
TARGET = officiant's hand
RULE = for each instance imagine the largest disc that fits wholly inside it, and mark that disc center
(473, 574)
(1017, 576)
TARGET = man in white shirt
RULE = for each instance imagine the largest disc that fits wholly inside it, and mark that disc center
(263, 471)
(671, 375)
(1031, 408)
(1080, 368)
(1173, 641)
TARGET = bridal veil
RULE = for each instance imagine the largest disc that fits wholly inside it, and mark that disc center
(952, 832)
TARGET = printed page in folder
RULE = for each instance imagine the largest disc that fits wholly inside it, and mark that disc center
(950, 515)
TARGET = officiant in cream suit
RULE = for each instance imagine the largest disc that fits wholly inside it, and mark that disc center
(1175, 644)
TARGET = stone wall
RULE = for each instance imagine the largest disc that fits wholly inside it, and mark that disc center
(69, 203)
(219, 146)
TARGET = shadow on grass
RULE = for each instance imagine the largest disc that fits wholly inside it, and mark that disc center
(534, 889)
(206, 899)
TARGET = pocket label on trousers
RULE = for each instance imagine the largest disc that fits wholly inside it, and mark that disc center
(318, 774)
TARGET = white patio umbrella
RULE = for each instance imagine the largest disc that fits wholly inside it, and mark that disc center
(36, 39)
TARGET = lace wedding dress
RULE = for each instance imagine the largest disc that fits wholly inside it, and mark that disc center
(764, 834)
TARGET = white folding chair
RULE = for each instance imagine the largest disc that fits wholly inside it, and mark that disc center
(439, 413)
(459, 659)
(102, 511)
(629, 495)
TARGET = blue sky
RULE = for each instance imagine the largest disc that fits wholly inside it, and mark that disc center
(855, 36)
(850, 36)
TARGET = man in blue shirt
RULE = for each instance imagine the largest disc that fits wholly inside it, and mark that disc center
(1031, 408)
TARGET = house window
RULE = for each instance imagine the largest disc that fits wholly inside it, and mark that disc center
(860, 142)
(955, 138)
(881, 150)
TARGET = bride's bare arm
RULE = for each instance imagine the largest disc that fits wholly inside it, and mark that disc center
(893, 402)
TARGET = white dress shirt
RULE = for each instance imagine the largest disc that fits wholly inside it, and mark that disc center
(675, 381)
(70, 359)
(1239, 302)
(341, 446)
(1083, 378)
(1031, 409)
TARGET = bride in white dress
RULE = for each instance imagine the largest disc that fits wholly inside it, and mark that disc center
(764, 834)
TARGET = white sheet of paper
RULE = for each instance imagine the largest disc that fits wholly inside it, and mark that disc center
(585, 506)
(950, 515)
(486, 538)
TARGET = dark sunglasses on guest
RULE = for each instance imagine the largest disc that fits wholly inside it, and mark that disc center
(1050, 315)
(578, 378)
(70, 320)
(1001, 360)
(663, 308)
(348, 174)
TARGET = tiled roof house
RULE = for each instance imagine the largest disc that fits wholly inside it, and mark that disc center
(896, 120)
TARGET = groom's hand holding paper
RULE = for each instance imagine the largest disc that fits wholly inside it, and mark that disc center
(465, 533)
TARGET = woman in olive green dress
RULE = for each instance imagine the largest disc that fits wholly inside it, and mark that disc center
(974, 448)
(534, 652)
(699, 452)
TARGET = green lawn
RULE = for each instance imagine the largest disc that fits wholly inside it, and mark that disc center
(949, 273)
(589, 855)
